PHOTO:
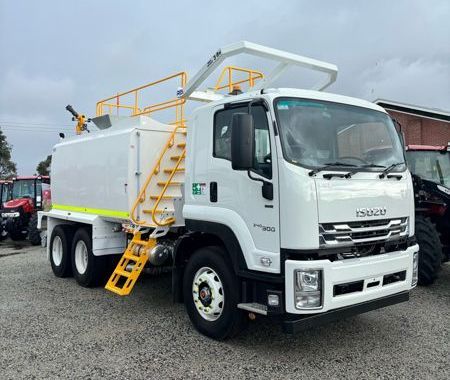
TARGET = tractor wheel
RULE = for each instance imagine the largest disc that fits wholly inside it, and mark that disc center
(430, 250)
(15, 229)
(34, 235)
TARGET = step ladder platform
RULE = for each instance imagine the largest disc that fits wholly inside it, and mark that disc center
(122, 281)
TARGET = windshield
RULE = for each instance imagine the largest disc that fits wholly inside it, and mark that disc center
(23, 188)
(318, 133)
(430, 165)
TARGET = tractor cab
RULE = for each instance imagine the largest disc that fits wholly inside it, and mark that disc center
(430, 169)
(430, 163)
(28, 195)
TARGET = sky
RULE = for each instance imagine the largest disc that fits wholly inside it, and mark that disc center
(54, 53)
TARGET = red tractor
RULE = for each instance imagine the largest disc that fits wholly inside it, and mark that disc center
(430, 168)
(29, 195)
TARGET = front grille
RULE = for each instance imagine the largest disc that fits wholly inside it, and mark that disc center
(354, 233)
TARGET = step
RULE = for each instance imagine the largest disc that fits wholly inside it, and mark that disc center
(253, 307)
(164, 197)
(158, 212)
(175, 158)
(181, 145)
(123, 273)
(171, 183)
(171, 170)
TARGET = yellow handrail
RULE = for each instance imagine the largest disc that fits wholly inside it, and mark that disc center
(253, 75)
(156, 169)
(168, 221)
(114, 102)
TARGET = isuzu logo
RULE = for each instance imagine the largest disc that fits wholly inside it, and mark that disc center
(370, 211)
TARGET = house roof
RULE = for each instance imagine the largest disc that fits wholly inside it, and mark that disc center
(430, 113)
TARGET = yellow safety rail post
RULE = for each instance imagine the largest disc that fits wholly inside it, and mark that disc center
(253, 75)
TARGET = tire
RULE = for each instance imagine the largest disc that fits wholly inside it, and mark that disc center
(88, 270)
(59, 248)
(227, 322)
(15, 228)
(430, 250)
(34, 235)
(17, 236)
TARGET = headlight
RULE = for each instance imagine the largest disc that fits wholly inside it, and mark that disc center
(308, 289)
(308, 280)
(415, 273)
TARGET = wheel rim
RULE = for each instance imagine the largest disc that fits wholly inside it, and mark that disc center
(208, 294)
(57, 251)
(81, 257)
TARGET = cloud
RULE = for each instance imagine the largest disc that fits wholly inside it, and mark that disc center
(32, 97)
(422, 82)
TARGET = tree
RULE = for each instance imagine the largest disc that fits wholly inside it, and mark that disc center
(43, 167)
(7, 167)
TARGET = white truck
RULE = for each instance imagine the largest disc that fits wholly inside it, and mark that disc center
(288, 203)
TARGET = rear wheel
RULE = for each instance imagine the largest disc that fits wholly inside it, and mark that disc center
(211, 294)
(34, 235)
(430, 250)
(59, 249)
(88, 270)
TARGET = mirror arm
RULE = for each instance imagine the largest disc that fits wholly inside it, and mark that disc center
(267, 189)
(255, 178)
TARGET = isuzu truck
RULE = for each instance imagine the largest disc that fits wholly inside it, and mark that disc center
(294, 204)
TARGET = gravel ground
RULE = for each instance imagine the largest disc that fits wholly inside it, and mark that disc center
(52, 328)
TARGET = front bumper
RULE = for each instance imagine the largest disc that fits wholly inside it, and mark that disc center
(293, 324)
(366, 271)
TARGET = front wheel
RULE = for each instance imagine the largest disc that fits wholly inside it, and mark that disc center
(211, 294)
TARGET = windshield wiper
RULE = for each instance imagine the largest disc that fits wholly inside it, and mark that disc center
(329, 165)
(390, 168)
(373, 166)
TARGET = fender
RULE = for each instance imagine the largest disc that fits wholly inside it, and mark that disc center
(202, 234)
(25, 203)
(225, 235)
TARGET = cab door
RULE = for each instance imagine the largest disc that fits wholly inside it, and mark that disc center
(255, 218)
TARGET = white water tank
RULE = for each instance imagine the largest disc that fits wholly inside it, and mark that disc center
(102, 172)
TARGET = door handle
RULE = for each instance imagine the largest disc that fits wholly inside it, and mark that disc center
(213, 192)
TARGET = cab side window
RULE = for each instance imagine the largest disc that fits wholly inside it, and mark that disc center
(262, 161)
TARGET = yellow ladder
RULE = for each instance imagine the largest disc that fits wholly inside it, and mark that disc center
(130, 265)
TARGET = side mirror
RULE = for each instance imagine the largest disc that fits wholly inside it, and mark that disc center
(242, 141)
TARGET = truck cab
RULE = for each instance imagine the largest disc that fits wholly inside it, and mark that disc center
(332, 209)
